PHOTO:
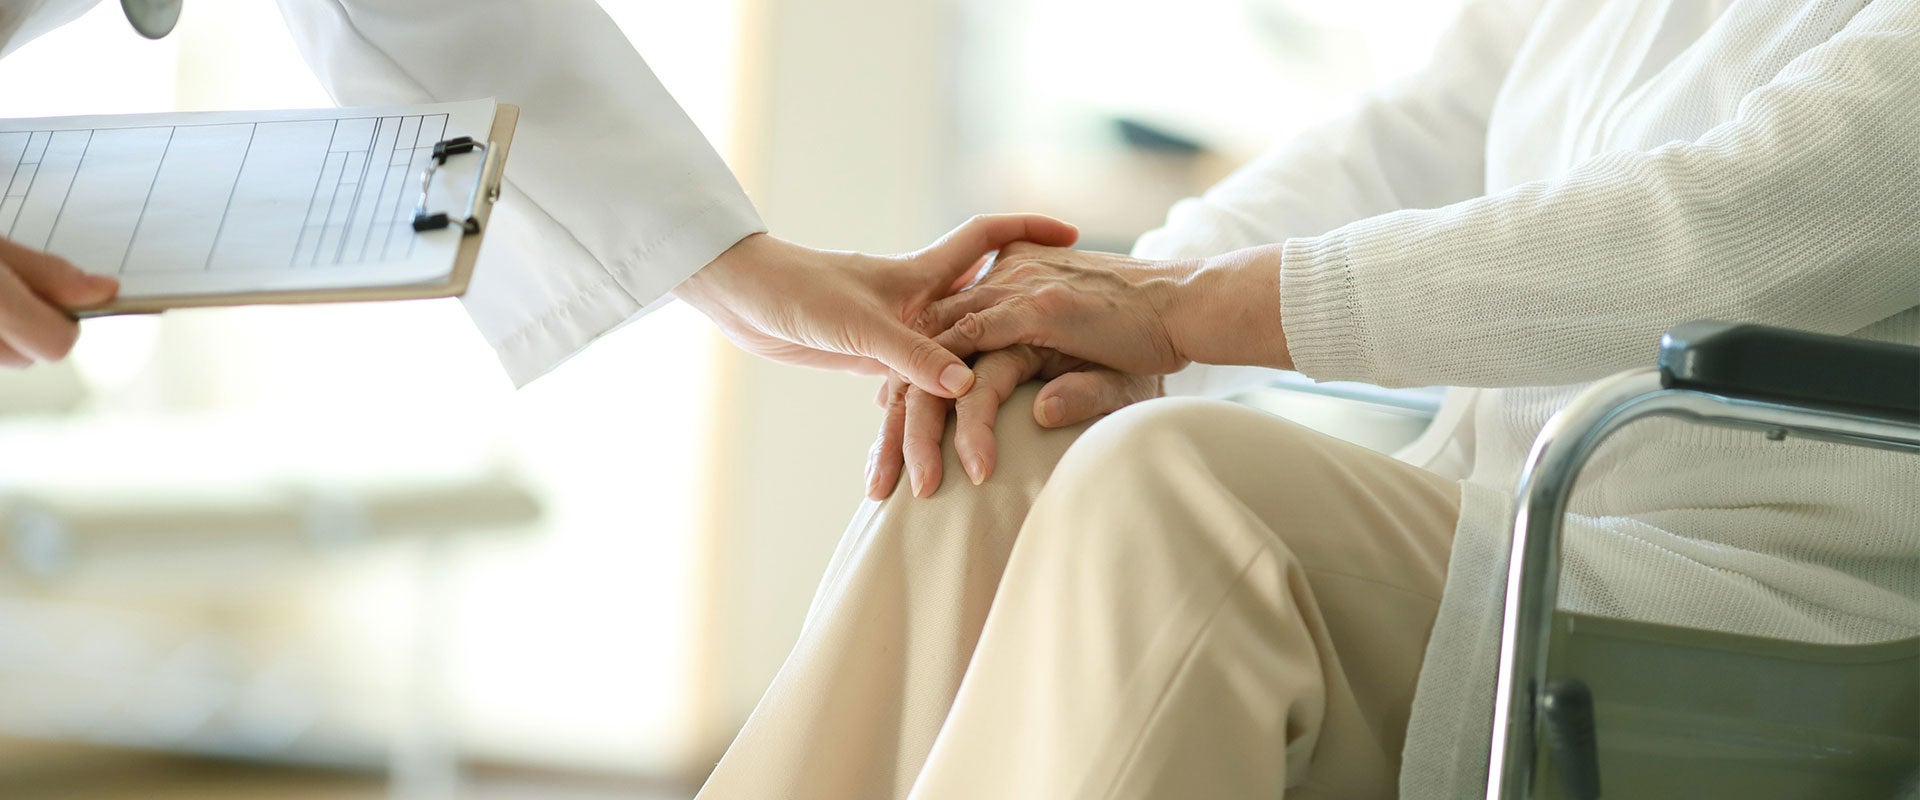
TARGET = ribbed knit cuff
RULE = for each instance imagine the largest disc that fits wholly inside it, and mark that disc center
(1320, 312)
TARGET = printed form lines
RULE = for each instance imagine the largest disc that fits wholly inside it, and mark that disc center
(350, 211)
(146, 203)
(27, 164)
(253, 132)
(242, 195)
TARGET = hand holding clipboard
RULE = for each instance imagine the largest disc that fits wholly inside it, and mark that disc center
(236, 208)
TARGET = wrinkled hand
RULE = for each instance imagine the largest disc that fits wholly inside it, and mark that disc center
(1101, 327)
(849, 311)
(1137, 316)
(38, 292)
(1102, 307)
(911, 434)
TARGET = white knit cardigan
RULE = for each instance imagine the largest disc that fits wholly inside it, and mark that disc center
(1566, 180)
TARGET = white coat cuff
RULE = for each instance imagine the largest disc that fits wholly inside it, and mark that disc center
(638, 282)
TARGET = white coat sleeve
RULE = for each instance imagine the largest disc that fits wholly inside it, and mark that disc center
(612, 195)
(1416, 144)
(1800, 211)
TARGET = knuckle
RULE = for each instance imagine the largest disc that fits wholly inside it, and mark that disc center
(927, 322)
(972, 325)
(1051, 296)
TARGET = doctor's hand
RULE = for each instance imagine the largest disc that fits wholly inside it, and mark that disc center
(850, 311)
(916, 421)
(38, 292)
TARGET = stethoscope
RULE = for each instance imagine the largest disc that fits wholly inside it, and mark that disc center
(152, 18)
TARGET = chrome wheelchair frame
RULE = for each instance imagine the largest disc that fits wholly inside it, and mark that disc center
(1708, 374)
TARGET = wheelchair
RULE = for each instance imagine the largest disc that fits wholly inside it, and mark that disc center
(1586, 705)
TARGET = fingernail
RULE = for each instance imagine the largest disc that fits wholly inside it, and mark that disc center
(1051, 410)
(977, 470)
(913, 479)
(956, 379)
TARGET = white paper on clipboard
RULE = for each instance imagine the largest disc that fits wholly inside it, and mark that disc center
(219, 203)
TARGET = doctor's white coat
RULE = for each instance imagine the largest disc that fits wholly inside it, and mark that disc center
(579, 246)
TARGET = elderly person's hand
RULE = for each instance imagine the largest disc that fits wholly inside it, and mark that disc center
(1148, 317)
(849, 311)
(1100, 327)
(38, 293)
(916, 421)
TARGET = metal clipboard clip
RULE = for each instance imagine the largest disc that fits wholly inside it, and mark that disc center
(486, 187)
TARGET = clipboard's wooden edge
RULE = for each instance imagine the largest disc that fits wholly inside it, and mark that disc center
(506, 116)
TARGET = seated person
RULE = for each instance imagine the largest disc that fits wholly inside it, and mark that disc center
(1192, 599)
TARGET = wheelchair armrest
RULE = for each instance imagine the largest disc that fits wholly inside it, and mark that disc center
(1780, 365)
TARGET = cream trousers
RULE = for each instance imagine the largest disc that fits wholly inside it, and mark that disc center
(1186, 599)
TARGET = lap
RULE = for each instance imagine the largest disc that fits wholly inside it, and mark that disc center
(1339, 508)
(1201, 593)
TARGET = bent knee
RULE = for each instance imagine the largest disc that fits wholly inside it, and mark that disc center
(1146, 433)
(1145, 483)
(1174, 444)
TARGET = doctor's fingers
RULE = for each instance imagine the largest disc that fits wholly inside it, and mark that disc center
(1078, 396)
(29, 325)
(914, 356)
(998, 374)
(56, 278)
(884, 460)
(962, 250)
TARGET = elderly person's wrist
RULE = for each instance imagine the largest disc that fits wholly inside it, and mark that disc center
(1227, 310)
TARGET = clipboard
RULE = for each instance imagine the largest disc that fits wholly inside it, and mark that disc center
(430, 209)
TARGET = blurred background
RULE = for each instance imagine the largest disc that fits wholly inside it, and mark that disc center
(328, 552)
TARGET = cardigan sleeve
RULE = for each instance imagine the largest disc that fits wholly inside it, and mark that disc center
(1418, 143)
(1803, 210)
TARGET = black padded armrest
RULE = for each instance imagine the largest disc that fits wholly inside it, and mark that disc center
(1781, 365)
